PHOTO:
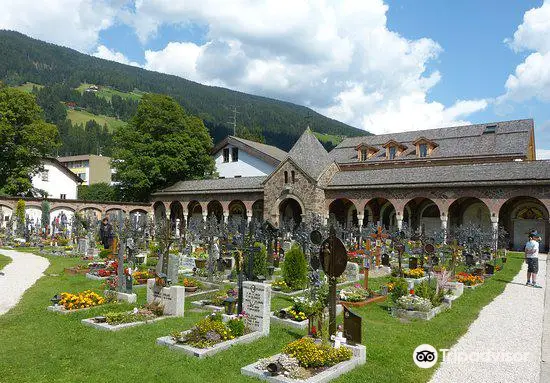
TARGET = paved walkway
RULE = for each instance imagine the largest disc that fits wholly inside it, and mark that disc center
(19, 275)
(504, 343)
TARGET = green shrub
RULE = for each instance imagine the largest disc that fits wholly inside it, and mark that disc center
(427, 290)
(152, 262)
(400, 288)
(259, 265)
(236, 326)
(295, 268)
(103, 253)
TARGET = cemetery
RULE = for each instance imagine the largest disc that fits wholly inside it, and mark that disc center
(210, 287)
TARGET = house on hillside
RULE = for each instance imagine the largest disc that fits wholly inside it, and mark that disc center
(56, 181)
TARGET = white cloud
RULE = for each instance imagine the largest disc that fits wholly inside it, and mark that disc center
(543, 154)
(108, 54)
(338, 57)
(531, 78)
(72, 23)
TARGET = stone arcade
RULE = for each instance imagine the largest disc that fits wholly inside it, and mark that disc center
(486, 174)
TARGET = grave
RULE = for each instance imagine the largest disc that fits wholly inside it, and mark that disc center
(352, 272)
(172, 298)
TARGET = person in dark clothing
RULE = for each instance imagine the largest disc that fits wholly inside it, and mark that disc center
(106, 233)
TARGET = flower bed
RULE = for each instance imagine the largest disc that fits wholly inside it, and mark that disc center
(77, 302)
(210, 336)
(306, 360)
(413, 273)
(469, 280)
(114, 321)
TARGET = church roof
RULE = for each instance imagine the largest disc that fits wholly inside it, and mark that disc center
(268, 153)
(503, 173)
(310, 155)
(226, 185)
(506, 138)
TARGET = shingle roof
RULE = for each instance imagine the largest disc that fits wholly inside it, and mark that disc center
(479, 174)
(510, 138)
(240, 184)
(269, 153)
(310, 155)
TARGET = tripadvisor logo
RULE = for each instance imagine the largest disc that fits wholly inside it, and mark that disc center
(425, 356)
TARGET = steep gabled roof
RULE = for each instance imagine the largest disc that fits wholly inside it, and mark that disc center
(310, 155)
(55, 162)
(268, 153)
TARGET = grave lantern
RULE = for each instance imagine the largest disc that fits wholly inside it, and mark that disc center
(229, 304)
(56, 299)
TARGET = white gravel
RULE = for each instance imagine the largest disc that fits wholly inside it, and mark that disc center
(510, 329)
(23, 271)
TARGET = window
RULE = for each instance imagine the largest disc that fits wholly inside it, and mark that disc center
(364, 154)
(82, 176)
(490, 129)
(63, 196)
(235, 155)
(286, 177)
(238, 176)
(423, 150)
(392, 152)
(293, 175)
(226, 155)
(45, 175)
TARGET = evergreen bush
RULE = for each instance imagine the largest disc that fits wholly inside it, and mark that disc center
(295, 268)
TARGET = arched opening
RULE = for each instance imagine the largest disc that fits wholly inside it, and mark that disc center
(469, 210)
(159, 211)
(344, 212)
(138, 217)
(237, 210)
(290, 209)
(33, 216)
(91, 212)
(215, 208)
(258, 210)
(176, 212)
(381, 210)
(60, 220)
(521, 215)
(114, 214)
(5, 214)
(423, 216)
(194, 209)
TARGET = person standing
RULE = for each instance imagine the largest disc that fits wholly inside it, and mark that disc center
(532, 258)
(106, 233)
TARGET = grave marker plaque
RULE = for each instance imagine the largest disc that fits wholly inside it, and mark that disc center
(257, 305)
(352, 327)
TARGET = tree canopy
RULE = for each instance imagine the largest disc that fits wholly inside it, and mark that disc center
(24, 139)
(160, 146)
(102, 192)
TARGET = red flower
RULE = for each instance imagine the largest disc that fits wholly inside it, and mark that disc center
(411, 291)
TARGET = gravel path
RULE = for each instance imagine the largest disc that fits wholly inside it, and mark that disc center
(509, 329)
(19, 275)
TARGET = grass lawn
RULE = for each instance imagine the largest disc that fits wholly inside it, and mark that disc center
(27, 87)
(107, 92)
(82, 116)
(4, 261)
(41, 346)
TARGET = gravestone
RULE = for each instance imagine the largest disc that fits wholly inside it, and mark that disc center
(352, 271)
(171, 298)
(187, 263)
(385, 259)
(257, 305)
(82, 247)
(352, 327)
(173, 267)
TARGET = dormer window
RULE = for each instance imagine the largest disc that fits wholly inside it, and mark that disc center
(393, 149)
(424, 147)
(364, 151)
(226, 155)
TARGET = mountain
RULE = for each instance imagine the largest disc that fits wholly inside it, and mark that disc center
(24, 59)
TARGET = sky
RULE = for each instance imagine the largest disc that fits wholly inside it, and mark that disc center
(383, 66)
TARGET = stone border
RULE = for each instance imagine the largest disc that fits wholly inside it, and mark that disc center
(95, 277)
(298, 292)
(200, 304)
(106, 326)
(204, 352)
(61, 310)
(303, 325)
(429, 315)
(359, 358)
(456, 287)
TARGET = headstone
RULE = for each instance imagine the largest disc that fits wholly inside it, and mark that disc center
(352, 271)
(171, 298)
(187, 263)
(82, 247)
(257, 305)
(385, 259)
(173, 267)
(352, 327)
(287, 245)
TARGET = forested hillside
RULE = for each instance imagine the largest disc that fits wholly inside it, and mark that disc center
(65, 71)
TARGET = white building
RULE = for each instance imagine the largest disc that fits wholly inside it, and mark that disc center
(237, 157)
(56, 180)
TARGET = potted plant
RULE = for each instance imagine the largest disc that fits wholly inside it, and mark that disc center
(201, 257)
(191, 284)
